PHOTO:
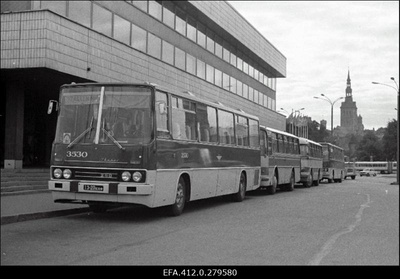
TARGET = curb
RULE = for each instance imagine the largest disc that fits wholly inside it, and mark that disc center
(41, 215)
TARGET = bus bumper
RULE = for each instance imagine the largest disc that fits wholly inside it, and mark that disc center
(65, 191)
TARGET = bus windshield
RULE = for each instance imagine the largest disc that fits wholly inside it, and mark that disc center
(124, 113)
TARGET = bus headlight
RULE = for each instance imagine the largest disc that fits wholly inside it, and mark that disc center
(126, 175)
(137, 176)
(57, 173)
(67, 173)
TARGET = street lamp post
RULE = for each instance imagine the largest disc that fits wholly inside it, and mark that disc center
(332, 103)
(398, 98)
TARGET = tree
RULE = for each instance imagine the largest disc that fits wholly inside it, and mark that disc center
(390, 141)
(370, 146)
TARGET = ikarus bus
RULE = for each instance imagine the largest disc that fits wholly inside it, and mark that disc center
(141, 144)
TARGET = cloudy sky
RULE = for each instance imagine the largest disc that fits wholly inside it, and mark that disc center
(321, 40)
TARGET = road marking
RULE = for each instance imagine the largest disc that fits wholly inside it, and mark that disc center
(326, 249)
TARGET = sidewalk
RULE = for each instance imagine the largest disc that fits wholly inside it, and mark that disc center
(36, 205)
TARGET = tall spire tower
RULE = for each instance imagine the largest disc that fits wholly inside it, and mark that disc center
(349, 121)
(348, 88)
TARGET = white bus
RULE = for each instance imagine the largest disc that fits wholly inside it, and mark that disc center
(280, 160)
(311, 162)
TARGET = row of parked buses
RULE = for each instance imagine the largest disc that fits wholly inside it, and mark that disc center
(118, 144)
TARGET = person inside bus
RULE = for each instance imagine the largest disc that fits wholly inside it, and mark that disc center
(125, 126)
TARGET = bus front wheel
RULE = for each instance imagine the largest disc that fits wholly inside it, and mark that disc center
(176, 209)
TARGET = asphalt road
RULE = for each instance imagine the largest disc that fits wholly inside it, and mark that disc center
(355, 222)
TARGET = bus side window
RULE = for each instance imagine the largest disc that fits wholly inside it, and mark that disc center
(263, 143)
(162, 115)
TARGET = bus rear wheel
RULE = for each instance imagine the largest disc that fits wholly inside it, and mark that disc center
(272, 189)
(309, 182)
(290, 185)
(239, 196)
(176, 209)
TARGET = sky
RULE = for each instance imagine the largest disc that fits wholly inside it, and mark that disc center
(322, 41)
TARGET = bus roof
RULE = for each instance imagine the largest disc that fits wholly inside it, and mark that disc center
(186, 94)
(328, 143)
(279, 131)
(306, 141)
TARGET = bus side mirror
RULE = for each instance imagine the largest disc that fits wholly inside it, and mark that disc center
(50, 107)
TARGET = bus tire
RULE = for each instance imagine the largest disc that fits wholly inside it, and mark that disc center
(308, 183)
(290, 186)
(272, 189)
(176, 209)
(239, 196)
(316, 182)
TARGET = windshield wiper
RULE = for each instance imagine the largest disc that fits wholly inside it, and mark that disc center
(112, 138)
(78, 138)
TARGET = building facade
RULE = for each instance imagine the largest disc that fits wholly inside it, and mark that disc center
(350, 122)
(205, 47)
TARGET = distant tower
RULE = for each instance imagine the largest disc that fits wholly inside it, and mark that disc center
(349, 121)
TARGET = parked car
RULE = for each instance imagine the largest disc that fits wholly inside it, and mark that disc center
(368, 172)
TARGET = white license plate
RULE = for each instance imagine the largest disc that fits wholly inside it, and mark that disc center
(93, 187)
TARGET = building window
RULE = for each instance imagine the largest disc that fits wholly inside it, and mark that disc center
(210, 73)
(154, 46)
(218, 78)
(255, 96)
(251, 71)
(245, 91)
(233, 59)
(139, 39)
(245, 67)
(102, 20)
(78, 11)
(201, 69)
(191, 29)
(155, 9)
(59, 7)
(251, 94)
(180, 22)
(233, 85)
(122, 29)
(226, 54)
(179, 58)
(225, 82)
(210, 42)
(168, 14)
(167, 52)
(201, 35)
(218, 47)
(239, 88)
(141, 5)
(239, 63)
(190, 64)
(260, 98)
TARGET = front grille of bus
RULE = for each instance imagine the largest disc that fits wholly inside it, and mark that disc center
(93, 174)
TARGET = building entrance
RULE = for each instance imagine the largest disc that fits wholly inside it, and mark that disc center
(27, 131)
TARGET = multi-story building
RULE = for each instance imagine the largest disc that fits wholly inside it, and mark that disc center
(205, 47)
